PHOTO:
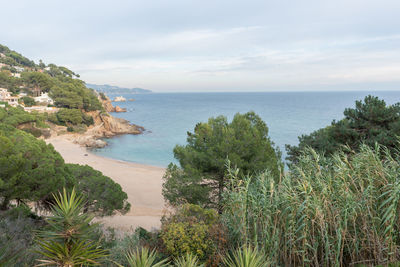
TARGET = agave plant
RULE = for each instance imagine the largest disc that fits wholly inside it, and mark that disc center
(144, 258)
(188, 260)
(67, 243)
(246, 257)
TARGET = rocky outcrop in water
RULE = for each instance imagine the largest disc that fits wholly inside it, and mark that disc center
(119, 109)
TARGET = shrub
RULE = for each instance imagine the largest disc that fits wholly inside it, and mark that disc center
(103, 96)
(28, 101)
(194, 230)
(17, 227)
(71, 117)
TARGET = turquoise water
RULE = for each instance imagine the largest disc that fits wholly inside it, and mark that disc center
(168, 116)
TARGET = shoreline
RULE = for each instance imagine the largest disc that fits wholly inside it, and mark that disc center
(142, 183)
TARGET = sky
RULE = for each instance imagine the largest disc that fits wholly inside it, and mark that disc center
(213, 46)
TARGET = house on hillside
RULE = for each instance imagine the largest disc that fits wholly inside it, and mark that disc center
(4, 93)
(16, 75)
(5, 96)
(44, 98)
(2, 55)
(19, 69)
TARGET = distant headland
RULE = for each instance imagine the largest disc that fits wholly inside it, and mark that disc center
(106, 88)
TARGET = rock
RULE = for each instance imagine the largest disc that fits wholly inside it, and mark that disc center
(106, 125)
(119, 99)
(90, 141)
(131, 99)
(119, 109)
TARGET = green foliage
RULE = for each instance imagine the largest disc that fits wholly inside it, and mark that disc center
(326, 211)
(246, 257)
(17, 226)
(144, 258)
(202, 179)
(28, 101)
(17, 116)
(30, 170)
(14, 58)
(73, 94)
(66, 242)
(37, 81)
(103, 96)
(370, 122)
(103, 196)
(187, 260)
(9, 82)
(71, 117)
(194, 230)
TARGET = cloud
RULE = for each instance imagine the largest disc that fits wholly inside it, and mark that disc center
(222, 45)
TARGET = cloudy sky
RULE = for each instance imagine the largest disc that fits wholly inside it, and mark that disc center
(213, 45)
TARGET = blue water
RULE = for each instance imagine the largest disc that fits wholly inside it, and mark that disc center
(168, 116)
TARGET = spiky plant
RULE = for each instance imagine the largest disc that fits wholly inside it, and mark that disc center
(246, 257)
(188, 260)
(66, 242)
(144, 258)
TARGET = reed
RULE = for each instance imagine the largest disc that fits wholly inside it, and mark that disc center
(342, 210)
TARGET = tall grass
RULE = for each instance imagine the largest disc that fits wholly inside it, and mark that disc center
(323, 212)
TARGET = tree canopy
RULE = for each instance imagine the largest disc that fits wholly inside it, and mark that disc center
(202, 176)
(103, 196)
(31, 170)
(370, 122)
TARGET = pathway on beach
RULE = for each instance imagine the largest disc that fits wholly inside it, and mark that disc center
(142, 183)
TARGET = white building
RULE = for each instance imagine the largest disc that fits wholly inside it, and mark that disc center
(5, 96)
(44, 98)
(19, 69)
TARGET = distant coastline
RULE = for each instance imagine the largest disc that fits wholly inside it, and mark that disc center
(106, 88)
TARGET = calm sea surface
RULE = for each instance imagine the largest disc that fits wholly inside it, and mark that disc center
(168, 116)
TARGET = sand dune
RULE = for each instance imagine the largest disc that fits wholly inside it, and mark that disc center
(142, 183)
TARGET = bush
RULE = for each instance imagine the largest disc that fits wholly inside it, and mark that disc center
(71, 117)
(28, 101)
(194, 230)
(103, 96)
(17, 227)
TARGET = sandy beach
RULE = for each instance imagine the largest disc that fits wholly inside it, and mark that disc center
(142, 183)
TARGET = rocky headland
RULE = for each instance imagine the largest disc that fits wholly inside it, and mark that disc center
(105, 126)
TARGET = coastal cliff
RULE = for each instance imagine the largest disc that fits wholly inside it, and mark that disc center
(108, 106)
(105, 126)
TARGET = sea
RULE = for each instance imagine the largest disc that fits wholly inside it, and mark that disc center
(167, 117)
